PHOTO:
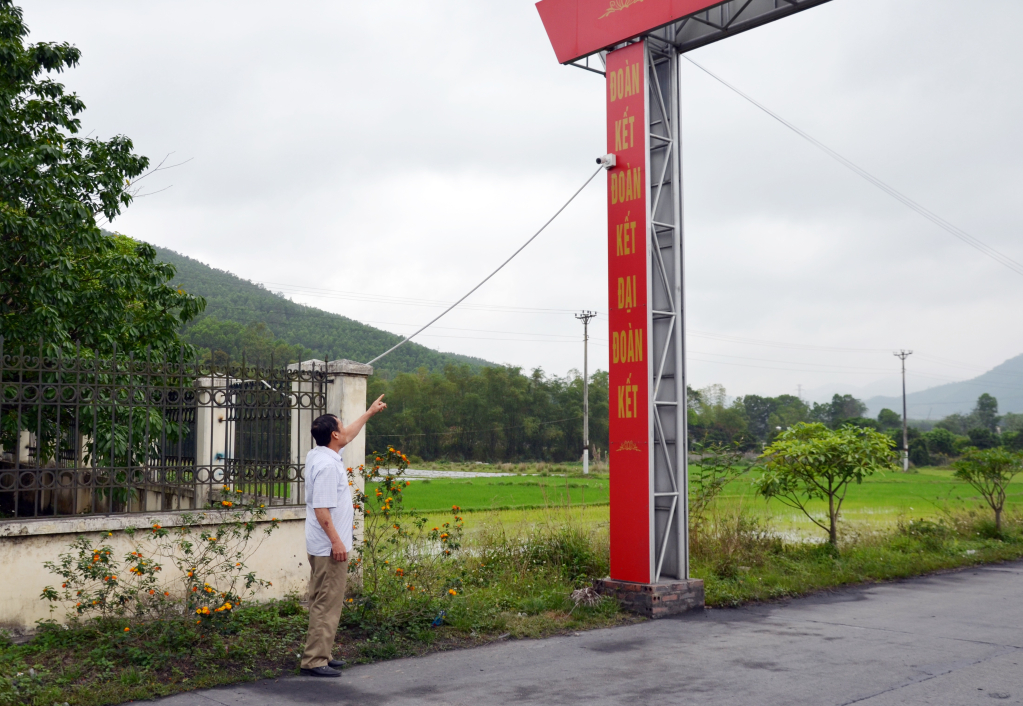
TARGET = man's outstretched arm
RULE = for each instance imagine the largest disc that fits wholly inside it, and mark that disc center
(352, 430)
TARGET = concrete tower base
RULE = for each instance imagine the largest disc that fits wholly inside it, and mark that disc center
(655, 600)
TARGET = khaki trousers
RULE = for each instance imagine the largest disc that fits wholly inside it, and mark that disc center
(327, 581)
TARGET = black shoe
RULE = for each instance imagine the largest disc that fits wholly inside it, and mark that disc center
(337, 664)
(324, 671)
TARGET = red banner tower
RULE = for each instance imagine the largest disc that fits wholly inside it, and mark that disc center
(638, 43)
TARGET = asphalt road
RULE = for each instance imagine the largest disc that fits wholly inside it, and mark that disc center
(948, 639)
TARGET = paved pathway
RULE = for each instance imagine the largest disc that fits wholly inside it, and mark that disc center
(949, 639)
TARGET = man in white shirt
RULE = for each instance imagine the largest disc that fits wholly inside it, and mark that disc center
(328, 536)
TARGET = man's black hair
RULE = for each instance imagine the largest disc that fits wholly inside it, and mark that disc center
(323, 426)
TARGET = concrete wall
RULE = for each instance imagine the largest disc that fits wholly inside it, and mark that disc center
(25, 545)
(279, 558)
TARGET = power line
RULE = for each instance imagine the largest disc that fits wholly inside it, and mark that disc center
(973, 242)
(499, 267)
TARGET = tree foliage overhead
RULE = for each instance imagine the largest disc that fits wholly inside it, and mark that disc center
(62, 279)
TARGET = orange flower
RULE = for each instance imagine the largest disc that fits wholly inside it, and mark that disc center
(453, 592)
(166, 593)
(127, 629)
(227, 503)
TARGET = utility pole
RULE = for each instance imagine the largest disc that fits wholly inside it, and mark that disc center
(585, 318)
(902, 355)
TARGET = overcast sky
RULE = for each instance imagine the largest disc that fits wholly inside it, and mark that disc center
(390, 154)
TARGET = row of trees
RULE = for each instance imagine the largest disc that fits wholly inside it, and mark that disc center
(752, 421)
(504, 414)
(492, 414)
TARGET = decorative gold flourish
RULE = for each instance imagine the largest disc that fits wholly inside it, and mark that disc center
(629, 445)
(618, 6)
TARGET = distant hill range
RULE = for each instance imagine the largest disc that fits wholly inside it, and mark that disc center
(1004, 382)
(232, 299)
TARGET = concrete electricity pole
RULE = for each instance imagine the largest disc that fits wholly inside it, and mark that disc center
(902, 355)
(585, 318)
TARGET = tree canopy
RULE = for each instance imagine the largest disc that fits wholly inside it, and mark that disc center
(811, 461)
(62, 279)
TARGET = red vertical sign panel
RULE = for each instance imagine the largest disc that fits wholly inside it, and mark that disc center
(627, 291)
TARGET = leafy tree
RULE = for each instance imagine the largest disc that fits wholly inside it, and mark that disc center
(940, 441)
(1012, 422)
(918, 453)
(887, 419)
(758, 415)
(863, 423)
(812, 462)
(958, 424)
(62, 279)
(986, 412)
(788, 411)
(1013, 440)
(841, 408)
(983, 438)
(990, 471)
(713, 421)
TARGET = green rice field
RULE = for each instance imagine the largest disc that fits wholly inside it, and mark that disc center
(881, 502)
(503, 493)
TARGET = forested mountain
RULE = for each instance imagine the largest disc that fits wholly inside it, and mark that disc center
(242, 317)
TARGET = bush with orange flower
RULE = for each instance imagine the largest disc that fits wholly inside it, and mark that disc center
(196, 569)
(403, 564)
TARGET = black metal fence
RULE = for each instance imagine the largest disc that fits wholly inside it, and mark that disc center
(120, 434)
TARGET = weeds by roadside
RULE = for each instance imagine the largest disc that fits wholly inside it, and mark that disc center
(741, 561)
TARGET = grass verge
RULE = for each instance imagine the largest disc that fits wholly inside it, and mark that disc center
(741, 562)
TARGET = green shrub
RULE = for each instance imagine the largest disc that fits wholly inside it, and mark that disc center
(403, 569)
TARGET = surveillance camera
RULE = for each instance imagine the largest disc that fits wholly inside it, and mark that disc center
(607, 161)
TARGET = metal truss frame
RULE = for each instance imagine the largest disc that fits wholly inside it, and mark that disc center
(669, 520)
(725, 20)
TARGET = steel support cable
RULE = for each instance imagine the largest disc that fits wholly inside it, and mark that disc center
(986, 249)
(499, 268)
